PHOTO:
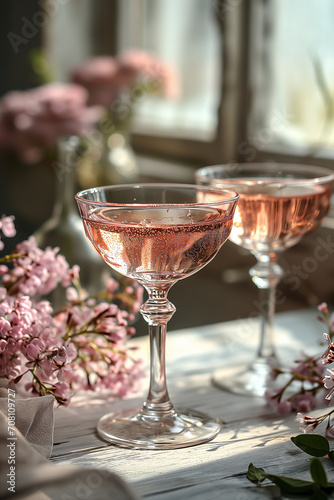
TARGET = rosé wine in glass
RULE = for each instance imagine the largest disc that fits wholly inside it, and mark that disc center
(157, 244)
(278, 204)
(157, 234)
(273, 219)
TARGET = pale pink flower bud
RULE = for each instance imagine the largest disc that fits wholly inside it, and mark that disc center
(4, 325)
(44, 307)
(329, 432)
(39, 343)
(323, 308)
(45, 369)
(103, 307)
(32, 352)
(112, 285)
(303, 402)
(62, 390)
(71, 294)
(329, 381)
(71, 351)
(3, 345)
(283, 407)
(7, 226)
(331, 322)
(18, 272)
(60, 357)
(29, 387)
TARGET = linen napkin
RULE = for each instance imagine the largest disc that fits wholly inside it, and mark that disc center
(26, 437)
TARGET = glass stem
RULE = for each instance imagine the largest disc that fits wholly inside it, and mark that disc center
(157, 311)
(266, 274)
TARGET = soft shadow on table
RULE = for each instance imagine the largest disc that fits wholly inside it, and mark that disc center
(271, 450)
(266, 444)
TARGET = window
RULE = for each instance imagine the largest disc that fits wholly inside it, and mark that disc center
(293, 114)
(303, 71)
(68, 37)
(186, 35)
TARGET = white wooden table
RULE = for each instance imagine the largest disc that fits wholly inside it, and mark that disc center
(216, 470)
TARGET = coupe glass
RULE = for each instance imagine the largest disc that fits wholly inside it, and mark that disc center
(278, 204)
(157, 234)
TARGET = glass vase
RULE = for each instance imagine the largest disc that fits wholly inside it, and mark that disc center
(64, 228)
(109, 158)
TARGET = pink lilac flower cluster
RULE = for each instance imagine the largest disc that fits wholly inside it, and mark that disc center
(82, 346)
(32, 121)
(105, 77)
(305, 379)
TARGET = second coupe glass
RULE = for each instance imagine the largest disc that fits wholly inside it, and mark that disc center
(278, 204)
(157, 234)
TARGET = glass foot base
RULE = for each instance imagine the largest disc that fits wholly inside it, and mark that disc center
(246, 380)
(134, 429)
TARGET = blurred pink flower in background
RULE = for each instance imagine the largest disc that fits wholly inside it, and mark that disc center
(104, 77)
(135, 62)
(99, 77)
(33, 120)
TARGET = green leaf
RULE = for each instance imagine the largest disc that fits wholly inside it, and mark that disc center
(318, 472)
(319, 495)
(255, 474)
(313, 444)
(291, 485)
(331, 455)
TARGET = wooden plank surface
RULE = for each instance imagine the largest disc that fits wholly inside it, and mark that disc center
(252, 433)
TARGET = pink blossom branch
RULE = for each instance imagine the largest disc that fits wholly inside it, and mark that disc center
(81, 346)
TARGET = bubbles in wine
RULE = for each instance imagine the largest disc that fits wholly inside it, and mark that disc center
(157, 243)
